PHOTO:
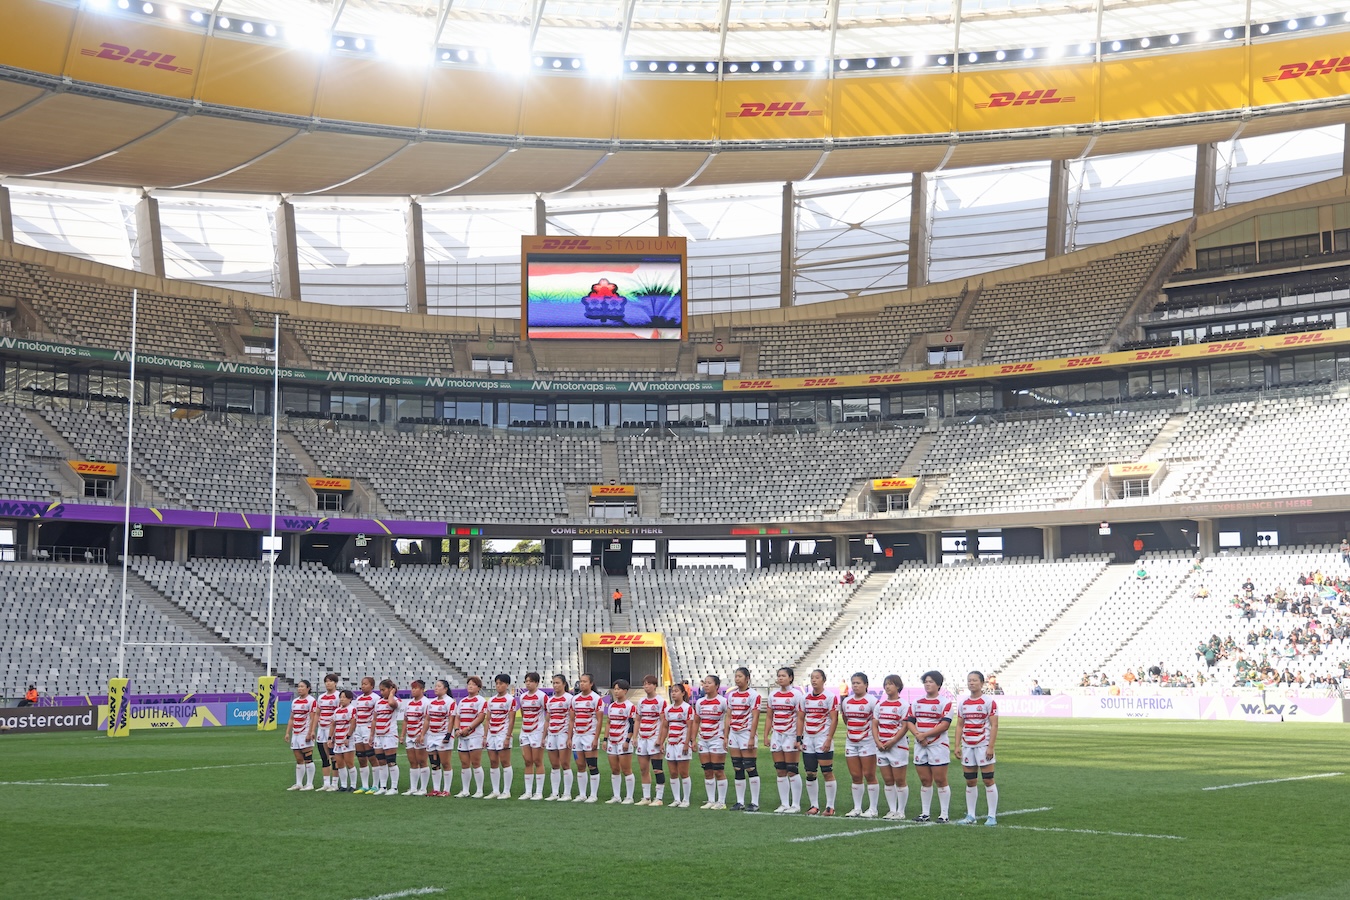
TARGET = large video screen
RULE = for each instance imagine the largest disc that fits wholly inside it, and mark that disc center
(609, 288)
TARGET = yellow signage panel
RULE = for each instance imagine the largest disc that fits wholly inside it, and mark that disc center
(330, 484)
(902, 104)
(996, 100)
(1174, 84)
(768, 110)
(38, 44)
(574, 107)
(628, 639)
(371, 90)
(137, 55)
(1132, 470)
(239, 73)
(882, 485)
(480, 101)
(613, 490)
(94, 468)
(1314, 68)
(666, 110)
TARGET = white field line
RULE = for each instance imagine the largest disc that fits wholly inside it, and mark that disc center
(839, 834)
(167, 771)
(1134, 834)
(412, 892)
(55, 783)
(1224, 787)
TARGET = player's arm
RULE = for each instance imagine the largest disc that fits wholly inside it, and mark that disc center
(726, 723)
(993, 729)
(313, 721)
(571, 724)
(801, 721)
(665, 731)
(876, 734)
(832, 727)
(478, 719)
(768, 725)
(511, 720)
(632, 725)
(754, 726)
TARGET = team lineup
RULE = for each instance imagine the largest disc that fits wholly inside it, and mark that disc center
(357, 736)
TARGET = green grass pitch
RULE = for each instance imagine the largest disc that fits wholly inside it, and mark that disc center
(204, 813)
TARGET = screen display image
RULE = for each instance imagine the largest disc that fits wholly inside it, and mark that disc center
(608, 296)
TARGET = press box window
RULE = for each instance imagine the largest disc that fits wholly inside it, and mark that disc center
(719, 367)
(494, 365)
(98, 488)
(946, 355)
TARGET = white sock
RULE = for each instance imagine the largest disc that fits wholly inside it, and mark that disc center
(529, 785)
(688, 787)
(813, 791)
(783, 797)
(902, 795)
(674, 790)
(857, 796)
(426, 777)
(630, 782)
(309, 774)
(710, 787)
(555, 781)
(754, 789)
(495, 774)
(567, 783)
(393, 775)
(873, 791)
(926, 798)
(436, 776)
(740, 790)
(466, 775)
(892, 798)
(646, 790)
(478, 780)
(831, 788)
(365, 777)
(299, 774)
(595, 786)
(991, 799)
(508, 774)
(795, 790)
(972, 798)
(945, 800)
(380, 775)
(614, 782)
(722, 791)
(584, 783)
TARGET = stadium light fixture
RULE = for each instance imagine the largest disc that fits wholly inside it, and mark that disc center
(123, 4)
(359, 43)
(651, 66)
(689, 67)
(895, 61)
(1085, 48)
(148, 8)
(871, 64)
(1000, 56)
(557, 64)
(96, 4)
(270, 30)
(754, 67)
(942, 60)
(632, 65)
(843, 64)
(1320, 21)
(799, 65)
(197, 17)
(973, 57)
(710, 66)
(223, 22)
(1144, 42)
(340, 43)
(1202, 36)
(1228, 34)
(1028, 53)
(733, 67)
(777, 65)
(1293, 24)
(1115, 46)
(671, 67)
(246, 28)
(1265, 29)
(462, 55)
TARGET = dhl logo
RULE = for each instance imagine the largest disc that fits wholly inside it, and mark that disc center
(118, 53)
(1016, 368)
(1081, 361)
(1293, 340)
(751, 385)
(613, 490)
(769, 110)
(328, 483)
(567, 244)
(1137, 468)
(1227, 347)
(1312, 69)
(950, 373)
(1146, 355)
(1043, 97)
(894, 378)
(820, 382)
(622, 640)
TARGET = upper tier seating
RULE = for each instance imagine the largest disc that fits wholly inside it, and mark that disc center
(717, 618)
(1067, 314)
(23, 452)
(373, 348)
(498, 620)
(61, 626)
(759, 476)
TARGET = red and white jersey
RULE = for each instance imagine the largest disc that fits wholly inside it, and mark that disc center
(783, 706)
(975, 713)
(557, 708)
(469, 708)
(818, 708)
(857, 714)
(414, 712)
(301, 709)
(649, 713)
(440, 713)
(386, 714)
(327, 703)
(710, 711)
(586, 713)
(891, 716)
(677, 719)
(364, 704)
(531, 706)
(620, 713)
(500, 708)
(743, 705)
(928, 713)
(343, 723)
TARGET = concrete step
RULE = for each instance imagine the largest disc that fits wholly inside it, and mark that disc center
(378, 604)
(863, 599)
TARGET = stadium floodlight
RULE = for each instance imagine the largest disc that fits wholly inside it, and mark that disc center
(197, 16)
(710, 66)
(608, 65)
(246, 28)
(148, 8)
(672, 66)
(1293, 24)
(576, 63)
(1174, 39)
(871, 64)
(97, 4)
(1320, 21)
(632, 65)
(359, 43)
(1143, 42)
(754, 67)
(173, 12)
(463, 55)
(223, 22)
(123, 4)
(798, 65)
(1000, 56)
(557, 63)
(514, 59)
(1265, 29)
(777, 65)
(1115, 46)
(1202, 36)
(651, 66)
(733, 67)
(1028, 53)
(1085, 47)
(843, 64)
(689, 67)
(973, 57)
(942, 60)
(270, 30)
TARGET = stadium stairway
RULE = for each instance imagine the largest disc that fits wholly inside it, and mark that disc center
(1185, 588)
(609, 459)
(1020, 667)
(1163, 439)
(863, 599)
(622, 621)
(378, 605)
(145, 592)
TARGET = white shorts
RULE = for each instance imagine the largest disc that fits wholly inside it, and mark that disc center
(301, 741)
(585, 743)
(739, 740)
(323, 733)
(556, 740)
(361, 734)
(677, 752)
(386, 742)
(440, 743)
(783, 742)
(816, 743)
(865, 747)
(532, 738)
(897, 757)
(499, 742)
(648, 747)
(474, 741)
(343, 748)
(972, 757)
(936, 754)
(412, 743)
(619, 748)
(712, 745)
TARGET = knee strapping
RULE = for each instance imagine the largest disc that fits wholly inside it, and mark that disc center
(826, 769)
(812, 762)
(593, 765)
(780, 766)
(738, 767)
(392, 758)
(988, 776)
(970, 776)
(752, 771)
(717, 767)
(792, 769)
(308, 756)
(435, 762)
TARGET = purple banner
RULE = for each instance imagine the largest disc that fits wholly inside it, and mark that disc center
(190, 518)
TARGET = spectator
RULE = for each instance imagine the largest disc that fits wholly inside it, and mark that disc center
(1037, 690)
(30, 697)
(848, 578)
(1345, 551)
(618, 601)
(993, 687)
